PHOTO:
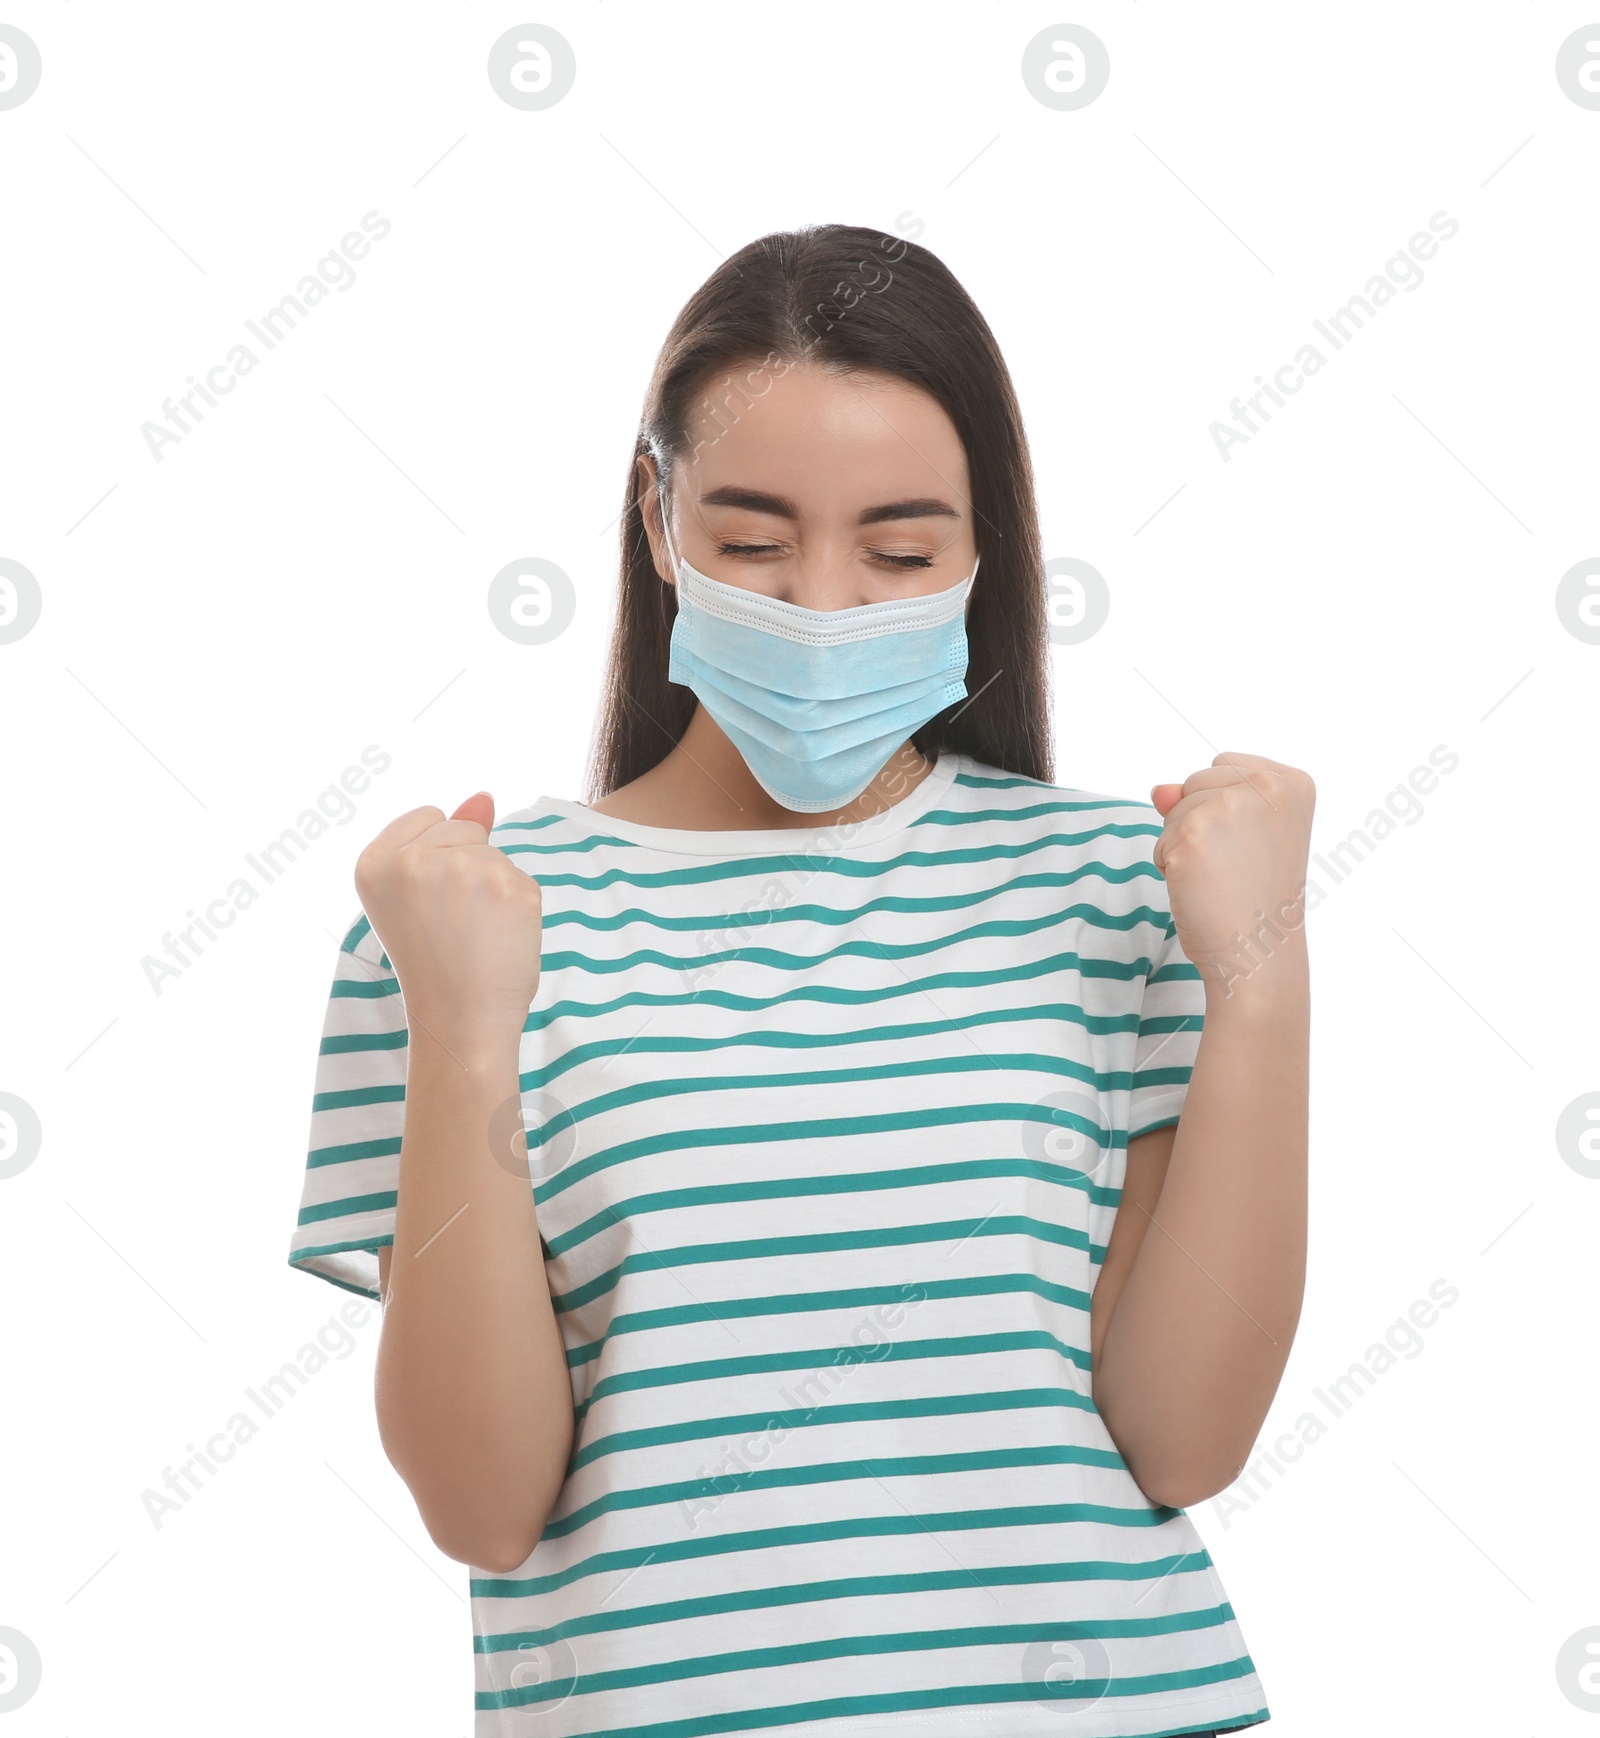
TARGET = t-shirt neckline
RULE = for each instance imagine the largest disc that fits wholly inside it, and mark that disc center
(832, 839)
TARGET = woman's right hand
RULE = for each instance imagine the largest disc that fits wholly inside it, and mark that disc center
(460, 922)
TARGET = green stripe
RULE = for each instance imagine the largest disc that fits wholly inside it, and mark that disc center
(378, 1240)
(825, 1472)
(965, 1696)
(356, 934)
(901, 904)
(761, 1597)
(314, 1215)
(854, 1412)
(1110, 1080)
(942, 817)
(350, 1151)
(710, 1725)
(699, 872)
(817, 1532)
(912, 1641)
(902, 1034)
(818, 1242)
(345, 1043)
(364, 989)
(942, 1116)
(816, 1358)
(856, 1182)
(837, 995)
(1086, 967)
(540, 823)
(848, 1297)
(357, 1096)
(961, 1062)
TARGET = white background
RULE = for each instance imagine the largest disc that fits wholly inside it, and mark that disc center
(224, 630)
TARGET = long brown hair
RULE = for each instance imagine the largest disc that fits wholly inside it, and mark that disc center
(860, 300)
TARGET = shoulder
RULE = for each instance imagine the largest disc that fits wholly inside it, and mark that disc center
(551, 835)
(1097, 847)
(547, 824)
(1069, 813)
(543, 818)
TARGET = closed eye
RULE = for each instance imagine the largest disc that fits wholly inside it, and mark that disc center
(903, 563)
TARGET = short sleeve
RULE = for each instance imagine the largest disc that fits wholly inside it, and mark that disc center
(1171, 1018)
(352, 1170)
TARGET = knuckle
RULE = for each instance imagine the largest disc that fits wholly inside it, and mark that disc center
(409, 867)
(369, 867)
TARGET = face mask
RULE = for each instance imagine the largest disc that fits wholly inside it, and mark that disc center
(817, 700)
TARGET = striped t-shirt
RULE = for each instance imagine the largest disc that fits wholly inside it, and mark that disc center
(827, 1130)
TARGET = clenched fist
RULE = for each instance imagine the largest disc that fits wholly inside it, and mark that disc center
(1234, 844)
(460, 922)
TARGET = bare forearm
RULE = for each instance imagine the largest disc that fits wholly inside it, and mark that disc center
(1201, 1331)
(473, 1393)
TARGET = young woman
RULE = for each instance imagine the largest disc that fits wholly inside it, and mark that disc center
(873, 1312)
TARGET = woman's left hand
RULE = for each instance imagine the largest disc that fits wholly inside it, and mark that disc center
(1233, 849)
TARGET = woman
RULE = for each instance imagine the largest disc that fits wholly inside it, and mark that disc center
(849, 1051)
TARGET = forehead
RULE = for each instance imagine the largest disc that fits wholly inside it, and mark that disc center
(822, 437)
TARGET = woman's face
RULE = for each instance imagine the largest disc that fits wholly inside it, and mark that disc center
(827, 491)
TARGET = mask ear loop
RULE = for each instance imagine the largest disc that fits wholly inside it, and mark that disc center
(666, 532)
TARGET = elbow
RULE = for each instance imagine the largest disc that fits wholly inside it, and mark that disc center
(493, 1528)
(496, 1537)
(1177, 1493)
(1183, 1485)
(1177, 1458)
(498, 1553)
(501, 1557)
(502, 1561)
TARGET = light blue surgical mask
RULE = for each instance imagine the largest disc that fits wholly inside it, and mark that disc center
(817, 700)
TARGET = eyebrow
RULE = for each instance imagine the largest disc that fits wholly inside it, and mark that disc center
(759, 501)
